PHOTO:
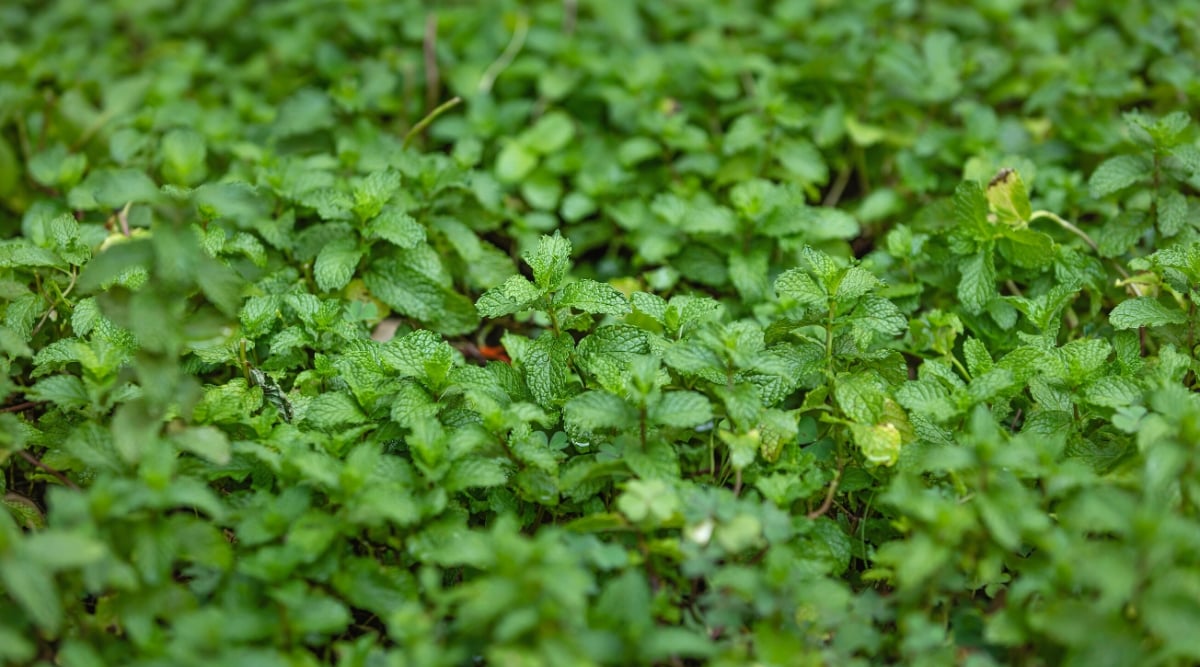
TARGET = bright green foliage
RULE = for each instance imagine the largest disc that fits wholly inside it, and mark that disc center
(599, 333)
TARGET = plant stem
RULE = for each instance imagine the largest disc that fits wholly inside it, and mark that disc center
(1088, 240)
(432, 116)
(510, 53)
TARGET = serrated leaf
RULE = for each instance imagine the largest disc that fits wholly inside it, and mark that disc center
(594, 410)
(1116, 174)
(977, 287)
(332, 410)
(1027, 248)
(682, 409)
(860, 397)
(514, 295)
(33, 589)
(879, 443)
(396, 227)
(60, 550)
(550, 261)
(546, 369)
(336, 263)
(183, 157)
(476, 473)
(66, 391)
(971, 210)
(1143, 311)
(206, 442)
(1008, 198)
(592, 296)
(855, 282)
(1112, 391)
(796, 284)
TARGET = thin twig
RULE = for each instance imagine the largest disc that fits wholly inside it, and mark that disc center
(429, 47)
(510, 53)
(19, 407)
(839, 186)
(424, 122)
(63, 296)
(833, 486)
(1132, 288)
(123, 218)
(570, 11)
(57, 475)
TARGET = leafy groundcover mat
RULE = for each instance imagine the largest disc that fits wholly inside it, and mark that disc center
(599, 332)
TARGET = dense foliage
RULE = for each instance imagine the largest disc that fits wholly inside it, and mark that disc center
(599, 333)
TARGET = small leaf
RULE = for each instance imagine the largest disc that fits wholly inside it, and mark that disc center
(550, 134)
(879, 444)
(1008, 198)
(333, 410)
(1116, 174)
(336, 263)
(593, 410)
(396, 227)
(682, 409)
(796, 284)
(1143, 311)
(550, 261)
(978, 284)
(33, 589)
(514, 162)
(515, 295)
(592, 296)
(206, 442)
(183, 157)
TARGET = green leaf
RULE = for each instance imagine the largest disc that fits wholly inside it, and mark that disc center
(971, 210)
(1143, 311)
(67, 391)
(396, 227)
(546, 369)
(114, 188)
(1112, 391)
(333, 410)
(550, 134)
(33, 589)
(550, 261)
(206, 442)
(515, 162)
(682, 409)
(594, 410)
(797, 285)
(183, 157)
(336, 264)
(1008, 198)
(977, 286)
(1027, 248)
(592, 296)
(57, 549)
(879, 444)
(515, 295)
(1116, 174)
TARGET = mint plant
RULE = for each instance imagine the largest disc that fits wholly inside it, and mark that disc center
(598, 333)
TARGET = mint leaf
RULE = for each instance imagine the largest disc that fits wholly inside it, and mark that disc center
(682, 409)
(336, 264)
(591, 296)
(515, 295)
(1143, 311)
(550, 261)
(1116, 174)
(977, 286)
(396, 227)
